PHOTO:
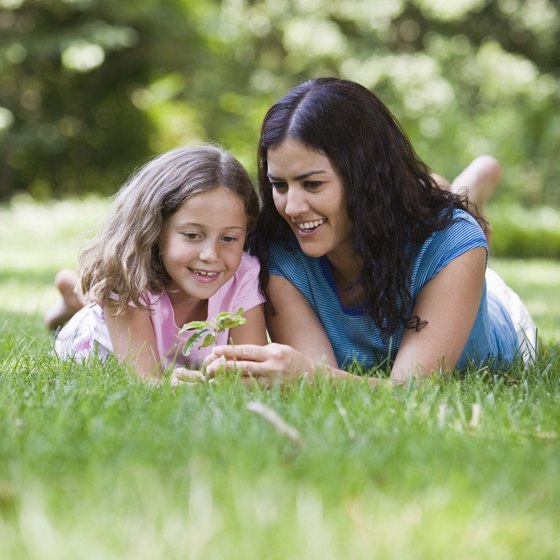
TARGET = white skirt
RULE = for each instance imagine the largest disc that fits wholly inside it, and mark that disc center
(525, 327)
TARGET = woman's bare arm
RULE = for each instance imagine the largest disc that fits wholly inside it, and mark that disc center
(449, 303)
(295, 324)
(300, 345)
(254, 331)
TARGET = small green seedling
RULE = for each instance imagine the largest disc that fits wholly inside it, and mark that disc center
(206, 331)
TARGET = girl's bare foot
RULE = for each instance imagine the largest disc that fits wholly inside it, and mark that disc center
(70, 301)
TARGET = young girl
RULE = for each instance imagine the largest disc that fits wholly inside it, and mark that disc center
(364, 258)
(171, 252)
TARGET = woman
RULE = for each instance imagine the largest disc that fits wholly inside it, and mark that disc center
(363, 257)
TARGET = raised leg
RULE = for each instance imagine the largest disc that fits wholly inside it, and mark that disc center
(70, 300)
(477, 181)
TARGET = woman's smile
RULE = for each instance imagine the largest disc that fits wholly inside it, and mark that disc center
(309, 227)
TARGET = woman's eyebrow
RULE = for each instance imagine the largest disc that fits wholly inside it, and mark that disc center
(299, 177)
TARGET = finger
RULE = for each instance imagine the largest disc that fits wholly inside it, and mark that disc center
(212, 359)
(250, 368)
(248, 352)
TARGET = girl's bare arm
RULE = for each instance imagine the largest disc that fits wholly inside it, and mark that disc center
(134, 340)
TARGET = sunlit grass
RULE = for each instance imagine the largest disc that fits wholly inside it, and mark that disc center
(36, 240)
(95, 464)
(526, 233)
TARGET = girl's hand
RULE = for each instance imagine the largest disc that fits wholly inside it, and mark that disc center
(181, 375)
(270, 363)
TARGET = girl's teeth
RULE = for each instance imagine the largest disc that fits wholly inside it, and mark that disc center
(202, 273)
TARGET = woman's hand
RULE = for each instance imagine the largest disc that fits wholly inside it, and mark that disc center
(270, 363)
(273, 363)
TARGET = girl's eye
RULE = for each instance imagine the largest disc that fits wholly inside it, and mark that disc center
(191, 236)
(228, 239)
(312, 184)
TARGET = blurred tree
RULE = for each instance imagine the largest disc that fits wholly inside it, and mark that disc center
(70, 72)
(89, 88)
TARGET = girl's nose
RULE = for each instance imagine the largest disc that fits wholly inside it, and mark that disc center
(208, 252)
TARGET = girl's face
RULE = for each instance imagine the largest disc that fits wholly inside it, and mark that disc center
(201, 244)
(308, 193)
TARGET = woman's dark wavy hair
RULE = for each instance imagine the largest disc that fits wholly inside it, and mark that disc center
(392, 198)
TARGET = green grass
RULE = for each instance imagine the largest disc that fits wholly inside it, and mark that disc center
(525, 233)
(94, 464)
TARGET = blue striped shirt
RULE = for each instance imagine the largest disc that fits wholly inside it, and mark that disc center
(353, 334)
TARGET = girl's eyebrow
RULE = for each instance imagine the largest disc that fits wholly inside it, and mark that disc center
(194, 224)
(299, 177)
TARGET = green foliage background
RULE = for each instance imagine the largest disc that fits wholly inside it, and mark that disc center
(90, 88)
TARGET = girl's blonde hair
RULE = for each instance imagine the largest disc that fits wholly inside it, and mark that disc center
(123, 261)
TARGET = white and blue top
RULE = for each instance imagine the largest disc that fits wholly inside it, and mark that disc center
(353, 334)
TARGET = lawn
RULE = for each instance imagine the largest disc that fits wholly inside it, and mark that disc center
(94, 464)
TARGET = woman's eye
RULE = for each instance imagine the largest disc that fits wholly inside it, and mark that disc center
(312, 184)
(279, 186)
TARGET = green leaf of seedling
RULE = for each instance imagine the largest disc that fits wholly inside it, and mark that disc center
(209, 339)
(194, 325)
(229, 320)
(209, 329)
(231, 323)
(193, 340)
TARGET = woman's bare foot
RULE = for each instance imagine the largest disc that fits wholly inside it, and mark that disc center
(70, 301)
(478, 181)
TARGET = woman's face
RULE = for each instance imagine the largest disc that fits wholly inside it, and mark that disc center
(309, 194)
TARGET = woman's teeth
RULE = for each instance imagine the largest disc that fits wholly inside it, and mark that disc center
(307, 226)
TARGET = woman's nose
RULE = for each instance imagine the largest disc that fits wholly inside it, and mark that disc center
(295, 202)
